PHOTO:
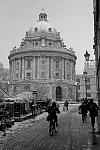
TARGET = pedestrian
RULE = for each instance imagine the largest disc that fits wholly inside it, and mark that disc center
(93, 109)
(84, 110)
(65, 108)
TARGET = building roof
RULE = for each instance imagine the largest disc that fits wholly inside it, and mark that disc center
(43, 28)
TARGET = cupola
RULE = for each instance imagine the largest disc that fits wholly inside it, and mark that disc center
(42, 16)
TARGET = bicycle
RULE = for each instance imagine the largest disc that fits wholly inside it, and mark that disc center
(53, 128)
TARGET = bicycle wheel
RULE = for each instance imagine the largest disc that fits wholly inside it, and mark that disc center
(51, 128)
(56, 129)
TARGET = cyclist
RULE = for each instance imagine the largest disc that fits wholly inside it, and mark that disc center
(53, 110)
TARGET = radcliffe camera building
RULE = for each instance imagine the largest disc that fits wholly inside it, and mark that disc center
(42, 63)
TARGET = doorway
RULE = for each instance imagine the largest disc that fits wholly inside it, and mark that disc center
(58, 93)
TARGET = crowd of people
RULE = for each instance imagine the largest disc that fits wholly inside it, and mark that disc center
(91, 107)
(87, 106)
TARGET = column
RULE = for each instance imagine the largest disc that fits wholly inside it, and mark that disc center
(47, 68)
(51, 68)
(38, 60)
(62, 66)
(20, 68)
(71, 71)
(36, 65)
(12, 70)
(33, 68)
(23, 67)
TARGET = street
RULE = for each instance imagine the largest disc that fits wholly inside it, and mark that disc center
(33, 133)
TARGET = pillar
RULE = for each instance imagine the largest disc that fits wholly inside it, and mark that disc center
(33, 68)
(51, 68)
(47, 68)
(62, 66)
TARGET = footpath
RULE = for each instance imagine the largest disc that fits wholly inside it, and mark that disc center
(81, 134)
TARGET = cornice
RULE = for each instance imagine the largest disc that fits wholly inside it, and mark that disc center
(54, 55)
(42, 50)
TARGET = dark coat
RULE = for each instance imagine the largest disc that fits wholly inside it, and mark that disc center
(53, 112)
(93, 109)
(83, 108)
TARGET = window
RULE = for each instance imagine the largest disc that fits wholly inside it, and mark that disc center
(42, 74)
(17, 75)
(36, 43)
(78, 94)
(57, 74)
(36, 29)
(87, 80)
(57, 64)
(27, 88)
(88, 94)
(78, 80)
(68, 76)
(78, 87)
(50, 44)
(50, 29)
(88, 86)
(28, 64)
(28, 75)
(17, 65)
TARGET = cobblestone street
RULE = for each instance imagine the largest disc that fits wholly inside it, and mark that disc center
(33, 134)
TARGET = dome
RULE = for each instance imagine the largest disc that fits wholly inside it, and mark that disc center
(43, 27)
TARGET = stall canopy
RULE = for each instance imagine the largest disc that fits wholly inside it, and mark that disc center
(25, 96)
(21, 98)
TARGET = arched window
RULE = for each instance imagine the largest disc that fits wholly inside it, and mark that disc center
(17, 65)
(57, 64)
(58, 93)
(27, 88)
(28, 64)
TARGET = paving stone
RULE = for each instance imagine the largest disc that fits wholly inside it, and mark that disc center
(33, 134)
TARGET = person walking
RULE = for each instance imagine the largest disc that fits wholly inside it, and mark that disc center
(84, 110)
(93, 109)
(66, 106)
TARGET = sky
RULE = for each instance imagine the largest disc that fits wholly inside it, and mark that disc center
(72, 18)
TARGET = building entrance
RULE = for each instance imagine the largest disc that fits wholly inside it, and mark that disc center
(58, 93)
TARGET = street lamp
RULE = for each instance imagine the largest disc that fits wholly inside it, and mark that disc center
(87, 55)
(77, 86)
(85, 75)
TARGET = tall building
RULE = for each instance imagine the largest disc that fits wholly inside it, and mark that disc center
(86, 87)
(96, 5)
(42, 63)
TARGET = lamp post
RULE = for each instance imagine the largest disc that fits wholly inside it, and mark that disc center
(86, 55)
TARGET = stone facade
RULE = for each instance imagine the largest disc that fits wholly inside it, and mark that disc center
(89, 84)
(43, 63)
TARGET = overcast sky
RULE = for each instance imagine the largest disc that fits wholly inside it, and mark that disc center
(72, 18)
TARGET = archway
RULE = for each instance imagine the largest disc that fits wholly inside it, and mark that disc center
(27, 88)
(58, 93)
